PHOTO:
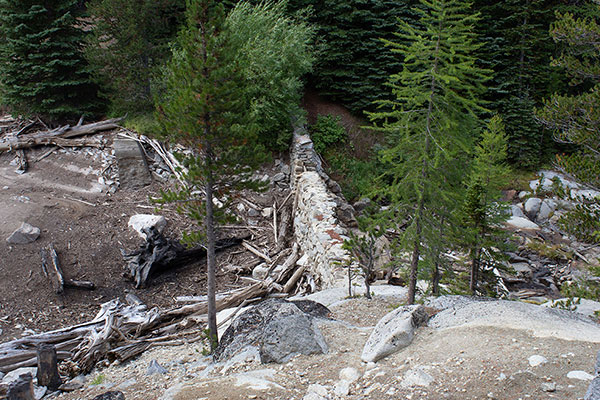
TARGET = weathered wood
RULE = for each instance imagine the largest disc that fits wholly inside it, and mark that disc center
(159, 254)
(59, 136)
(22, 164)
(256, 252)
(133, 300)
(287, 288)
(288, 265)
(284, 225)
(45, 263)
(86, 285)
(47, 367)
(21, 389)
(59, 281)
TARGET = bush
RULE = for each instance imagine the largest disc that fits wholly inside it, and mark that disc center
(326, 132)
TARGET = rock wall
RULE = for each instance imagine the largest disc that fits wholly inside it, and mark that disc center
(322, 214)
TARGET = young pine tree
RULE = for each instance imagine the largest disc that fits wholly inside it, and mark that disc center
(429, 124)
(206, 107)
(482, 214)
(42, 68)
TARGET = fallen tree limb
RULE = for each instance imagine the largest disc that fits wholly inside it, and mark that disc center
(59, 136)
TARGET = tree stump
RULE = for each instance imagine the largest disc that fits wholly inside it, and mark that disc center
(47, 363)
(21, 389)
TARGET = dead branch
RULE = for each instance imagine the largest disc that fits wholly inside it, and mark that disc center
(256, 252)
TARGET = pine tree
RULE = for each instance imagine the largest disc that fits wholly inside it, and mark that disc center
(518, 49)
(42, 68)
(575, 119)
(129, 42)
(351, 66)
(429, 124)
(206, 108)
(482, 214)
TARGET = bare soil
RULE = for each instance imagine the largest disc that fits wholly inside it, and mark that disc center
(62, 196)
(466, 364)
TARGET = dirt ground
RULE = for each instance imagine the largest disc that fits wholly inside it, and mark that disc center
(465, 363)
(62, 196)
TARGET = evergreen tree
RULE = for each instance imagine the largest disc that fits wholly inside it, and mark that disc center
(575, 119)
(211, 105)
(429, 125)
(42, 68)
(206, 108)
(518, 49)
(482, 213)
(351, 67)
(129, 42)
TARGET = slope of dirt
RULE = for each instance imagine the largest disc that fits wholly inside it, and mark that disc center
(465, 363)
(63, 196)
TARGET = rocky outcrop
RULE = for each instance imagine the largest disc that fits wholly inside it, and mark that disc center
(24, 234)
(279, 329)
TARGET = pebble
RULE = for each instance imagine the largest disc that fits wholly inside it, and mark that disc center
(537, 360)
(549, 387)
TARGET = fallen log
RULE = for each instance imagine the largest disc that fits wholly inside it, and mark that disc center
(158, 254)
(86, 285)
(59, 136)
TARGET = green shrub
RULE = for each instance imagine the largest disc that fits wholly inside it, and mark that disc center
(326, 132)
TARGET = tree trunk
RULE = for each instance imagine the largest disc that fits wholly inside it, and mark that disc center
(475, 254)
(211, 260)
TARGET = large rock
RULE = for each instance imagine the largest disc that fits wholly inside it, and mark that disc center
(139, 222)
(279, 329)
(516, 211)
(521, 223)
(593, 392)
(133, 168)
(393, 332)
(532, 207)
(546, 209)
(24, 234)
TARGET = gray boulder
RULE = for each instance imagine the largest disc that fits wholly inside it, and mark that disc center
(546, 208)
(593, 392)
(532, 207)
(393, 332)
(516, 211)
(280, 329)
(521, 223)
(24, 234)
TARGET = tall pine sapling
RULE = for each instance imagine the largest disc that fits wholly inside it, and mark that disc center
(206, 108)
(429, 125)
(482, 213)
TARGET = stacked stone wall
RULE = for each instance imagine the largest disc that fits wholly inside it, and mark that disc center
(319, 207)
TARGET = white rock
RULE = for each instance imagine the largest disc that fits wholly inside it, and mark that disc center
(548, 387)
(521, 223)
(12, 376)
(349, 374)
(416, 377)
(139, 222)
(523, 194)
(580, 375)
(260, 271)
(393, 332)
(537, 360)
(24, 234)
(267, 212)
(313, 396)
(317, 389)
(342, 388)
(532, 207)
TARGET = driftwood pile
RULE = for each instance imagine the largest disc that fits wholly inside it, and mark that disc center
(122, 331)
